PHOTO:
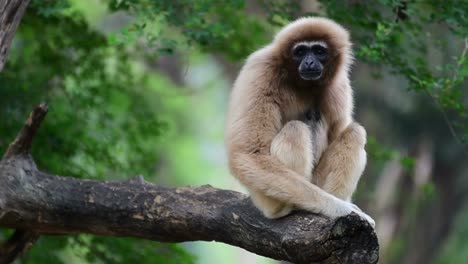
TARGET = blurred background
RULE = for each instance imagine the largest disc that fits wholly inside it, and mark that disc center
(141, 86)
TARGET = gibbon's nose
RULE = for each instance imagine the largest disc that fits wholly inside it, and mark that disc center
(309, 62)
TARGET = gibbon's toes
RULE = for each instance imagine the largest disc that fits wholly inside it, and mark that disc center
(363, 215)
(355, 208)
(367, 218)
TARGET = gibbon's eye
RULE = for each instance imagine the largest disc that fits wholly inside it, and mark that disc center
(300, 51)
(319, 50)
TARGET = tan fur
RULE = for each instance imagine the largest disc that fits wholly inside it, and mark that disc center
(268, 156)
(293, 147)
(348, 151)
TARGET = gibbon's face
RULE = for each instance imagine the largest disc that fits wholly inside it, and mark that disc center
(309, 58)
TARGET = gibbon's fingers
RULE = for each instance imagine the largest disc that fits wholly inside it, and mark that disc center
(343, 163)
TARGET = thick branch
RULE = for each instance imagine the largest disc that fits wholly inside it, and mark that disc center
(49, 204)
(11, 12)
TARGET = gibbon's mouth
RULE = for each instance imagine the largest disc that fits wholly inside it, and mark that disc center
(310, 75)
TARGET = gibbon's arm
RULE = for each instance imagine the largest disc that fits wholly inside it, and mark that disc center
(342, 163)
(292, 146)
(249, 137)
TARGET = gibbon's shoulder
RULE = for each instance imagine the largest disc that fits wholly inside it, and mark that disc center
(262, 55)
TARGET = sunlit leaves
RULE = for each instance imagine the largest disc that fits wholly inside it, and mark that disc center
(217, 26)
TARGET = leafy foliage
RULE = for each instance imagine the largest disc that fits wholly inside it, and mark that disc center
(214, 26)
(399, 34)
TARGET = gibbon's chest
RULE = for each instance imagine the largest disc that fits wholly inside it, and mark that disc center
(297, 106)
(319, 132)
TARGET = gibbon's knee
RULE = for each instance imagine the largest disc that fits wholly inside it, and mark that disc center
(343, 182)
(293, 147)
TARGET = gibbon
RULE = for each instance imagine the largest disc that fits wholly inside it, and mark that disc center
(290, 134)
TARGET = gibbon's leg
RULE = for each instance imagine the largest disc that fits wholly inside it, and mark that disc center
(343, 163)
(262, 173)
(293, 147)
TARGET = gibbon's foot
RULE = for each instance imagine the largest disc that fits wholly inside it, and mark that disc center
(270, 207)
(284, 211)
(339, 208)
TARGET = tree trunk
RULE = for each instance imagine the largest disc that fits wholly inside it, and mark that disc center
(11, 12)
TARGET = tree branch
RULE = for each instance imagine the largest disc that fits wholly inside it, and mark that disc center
(57, 205)
(19, 150)
(23, 141)
(11, 12)
(19, 243)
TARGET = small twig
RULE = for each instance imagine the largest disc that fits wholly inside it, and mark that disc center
(18, 243)
(400, 11)
(462, 55)
(448, 122)
(23, 141)
(454, 78)
(441, 109)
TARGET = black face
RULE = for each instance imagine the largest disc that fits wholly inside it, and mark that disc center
(310, 60)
